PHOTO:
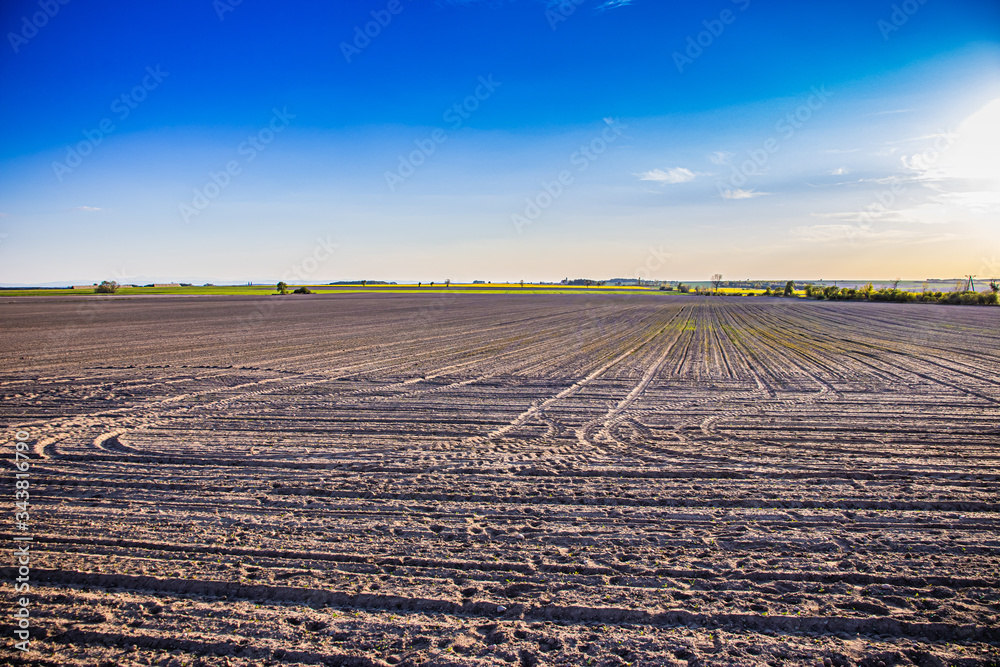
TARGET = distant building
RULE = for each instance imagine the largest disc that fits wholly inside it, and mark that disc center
(634, 282)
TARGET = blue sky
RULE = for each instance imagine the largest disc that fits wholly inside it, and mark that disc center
(498, 140)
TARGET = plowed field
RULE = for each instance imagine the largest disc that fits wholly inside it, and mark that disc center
(488, 480)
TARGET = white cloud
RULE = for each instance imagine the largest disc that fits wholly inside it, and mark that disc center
(613, 4)
(840, 171)
(948, 136)
(721, 157)
(961, 166)
(872, 212)
(890, 111)
(674, 175)
(839, 215)
(87, 208)
(830, 233)
(864, 218)
(738, 193)
(838, 184)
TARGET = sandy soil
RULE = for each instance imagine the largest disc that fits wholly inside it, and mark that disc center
(436, 480)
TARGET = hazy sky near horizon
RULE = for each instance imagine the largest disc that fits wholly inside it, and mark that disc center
(498, 140)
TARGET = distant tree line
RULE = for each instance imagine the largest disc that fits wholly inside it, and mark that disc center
(585, 282)
(107, 287)
(282, 288)
(787, 290)
(869, 293)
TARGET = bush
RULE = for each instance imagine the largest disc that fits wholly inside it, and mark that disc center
(892, 294)
(107, 287)
(303, 290)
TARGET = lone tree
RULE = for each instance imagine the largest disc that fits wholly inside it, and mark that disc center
(789, 288)
(282, 288)
(716, 279)
(107, 287)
